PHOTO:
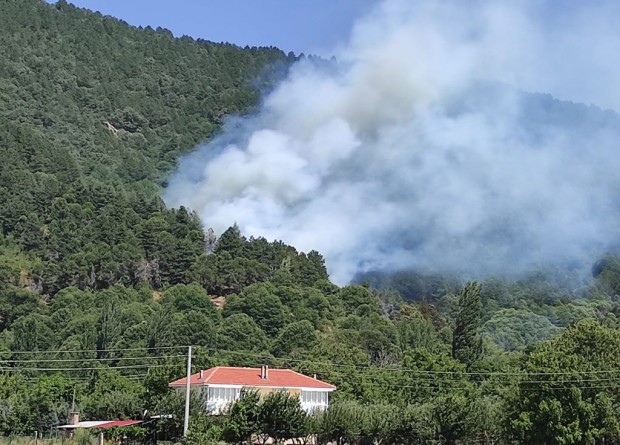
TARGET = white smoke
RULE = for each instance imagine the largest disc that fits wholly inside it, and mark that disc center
(422, 149)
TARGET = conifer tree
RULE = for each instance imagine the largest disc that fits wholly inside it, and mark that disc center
(466, 341)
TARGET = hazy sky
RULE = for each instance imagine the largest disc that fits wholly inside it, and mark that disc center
(310, 26)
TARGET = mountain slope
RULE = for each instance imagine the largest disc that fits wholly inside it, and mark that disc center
(125, 101)
(93, 114)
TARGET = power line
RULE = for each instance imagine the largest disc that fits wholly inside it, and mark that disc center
(81, 360)
(411, 370)
(86, 379)
(427, 381)
(465, 384)
(147, 366)
(450, 380)
(75, 351)
(302, 361)
(307, 363)
(430, 379)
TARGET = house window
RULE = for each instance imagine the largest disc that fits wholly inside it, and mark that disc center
(314, 397)
(222, 394)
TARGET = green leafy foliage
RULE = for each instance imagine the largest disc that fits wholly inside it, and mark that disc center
(281, 416)
(518, 328)
(244, 419)
(573, 403)
(102, 286)
(278, 415)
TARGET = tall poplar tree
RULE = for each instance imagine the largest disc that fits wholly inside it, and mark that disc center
(466, 341)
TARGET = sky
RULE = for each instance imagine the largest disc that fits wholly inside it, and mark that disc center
(312, 27)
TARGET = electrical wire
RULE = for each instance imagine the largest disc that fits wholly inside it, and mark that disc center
(81, 360)
(307, 362)
(14, 369)
(73, 351)
(410, 370)
(412, 378)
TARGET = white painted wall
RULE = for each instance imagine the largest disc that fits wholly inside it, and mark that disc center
(219, 398)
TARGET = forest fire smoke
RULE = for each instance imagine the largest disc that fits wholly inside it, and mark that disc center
(425, 146)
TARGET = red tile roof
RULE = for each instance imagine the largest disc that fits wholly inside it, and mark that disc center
(114, 423)
(276, 378)
(100, 424)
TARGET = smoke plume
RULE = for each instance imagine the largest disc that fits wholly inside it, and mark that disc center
(429, 144)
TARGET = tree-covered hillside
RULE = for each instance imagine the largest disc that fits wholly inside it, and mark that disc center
(94, 114)
(102, 287)
(124, 101)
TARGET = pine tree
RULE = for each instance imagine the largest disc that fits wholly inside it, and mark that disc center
(231, 241)
(466, 341)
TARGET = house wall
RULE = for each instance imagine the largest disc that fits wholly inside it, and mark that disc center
(219, 398)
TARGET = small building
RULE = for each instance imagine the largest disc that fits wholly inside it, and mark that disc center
(222, 385)
(75, 423)
(99, 425)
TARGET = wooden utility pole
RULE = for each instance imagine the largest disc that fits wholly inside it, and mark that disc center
(187, 391)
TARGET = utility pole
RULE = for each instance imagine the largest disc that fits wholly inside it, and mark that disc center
(187, 391)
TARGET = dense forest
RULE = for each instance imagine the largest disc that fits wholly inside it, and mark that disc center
(102, 287)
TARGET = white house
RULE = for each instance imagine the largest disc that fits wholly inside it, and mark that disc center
(222, 385)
